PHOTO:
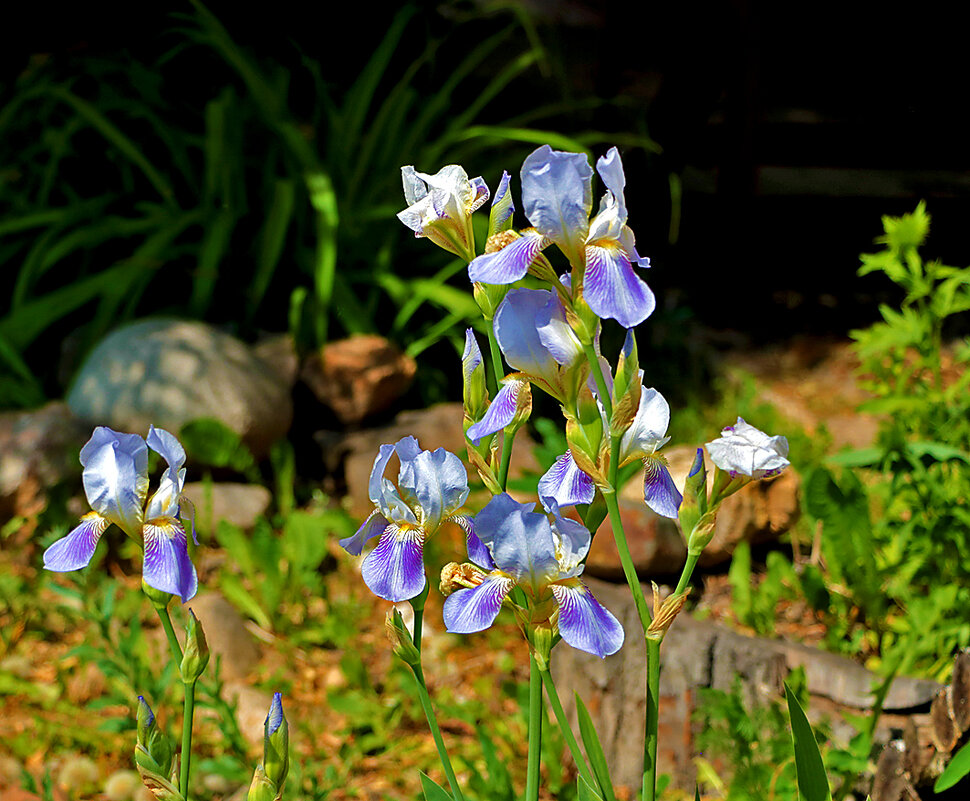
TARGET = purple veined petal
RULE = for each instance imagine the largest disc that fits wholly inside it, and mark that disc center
(555, 334)
(628, 246)
(521, 541)
(584, 623)
(502, 207)
(470, 610)
(394, 570)
(518, 337)
(565, 483)
(511, 263)
(611, 288)
(274, 718)
(372, 527)
(499, 414)
(167, 566)
(648, 430)
(557, 195)
(477, 551)
(434, 484)
(479, 194)
(659, 491)
(74, 551)
(165, 501)
(116, 477)
(381, 491)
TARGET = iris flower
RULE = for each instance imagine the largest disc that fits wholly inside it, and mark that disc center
(743, 450)
(520, 547)
(116, 484)
(440, 207)
(431, 488)
(557, 197)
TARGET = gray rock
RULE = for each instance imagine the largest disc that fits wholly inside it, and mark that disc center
(239, 504)
(167, 372)
(227, 635)
(38, 449)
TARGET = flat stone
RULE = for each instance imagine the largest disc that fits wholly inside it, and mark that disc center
(38, 449)
(655, 544)
(239, 504)
(359, 377)
(167, 372)
(226, 633)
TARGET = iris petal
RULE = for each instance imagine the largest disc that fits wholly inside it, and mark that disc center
(566, 483)
(648, 430)
(499, 414)
(520, 540)
(584, 623)
(394, 570)
(373, 525)
(477, 552)
(470, 610)
(165, 501)
(515, 329)
(75, 550)
(612, 289)
(659, 491)
(437, 484)
(116, 477)
(167, 566)
(557, 195)
(382, 492)
(508, 265)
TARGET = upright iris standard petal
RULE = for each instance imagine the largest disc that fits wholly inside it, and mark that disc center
(165, 501)
(116, 477)
(382, 491)
(557, 195)
(75, 550)
(572, 540)
(471, 610)
(518, 336)
(434, 484)
(555, 333)
(584, 623)
(611, 288)
(511, 263)
(372, 527)
(659, 491)
(745, 450)
(394, 570)
(566, 484)
(499, 414)
(648, 430)
(519, 539)
(167, 566)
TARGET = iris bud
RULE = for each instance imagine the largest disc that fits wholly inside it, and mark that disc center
(276, 744)
(694, 503)
(196, 655)
(153, 756)
(400, 637)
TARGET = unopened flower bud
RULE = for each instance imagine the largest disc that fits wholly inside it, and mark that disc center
(702, 532)
(262, 789)
(540, 638)
(500, 215)
(196, 655)
(153, 755)
(694, 503)
(474, 393)
(664, 612)
(276, 744)
(489, 296)
(401, 640)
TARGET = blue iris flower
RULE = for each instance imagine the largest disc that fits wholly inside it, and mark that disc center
(431, 488)
(543, 556)
(557, 197)
(115, 481)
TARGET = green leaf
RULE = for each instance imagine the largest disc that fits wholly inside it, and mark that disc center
(586, 793)
(813, 784)
(211, 442)
(594, 751)
(237, 594)
(956, 769)
(432, 790)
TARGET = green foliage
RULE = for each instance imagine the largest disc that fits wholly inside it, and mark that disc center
(956, 770)
(594, 751)
(813, 784)
(756, 608)
(210, 442)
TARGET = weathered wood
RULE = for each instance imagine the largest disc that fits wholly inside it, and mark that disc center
(960, 691)
(890, 782)
(945, 732)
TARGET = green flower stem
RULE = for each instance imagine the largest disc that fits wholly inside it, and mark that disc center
(173, 642)
(600, 379)
(439, 742)
(417, 604)
(626, 559)
(535, 731)
(187, 715)
(503, 470)
(687, 572)
(567, 732)
(498, 371)
(652, 721)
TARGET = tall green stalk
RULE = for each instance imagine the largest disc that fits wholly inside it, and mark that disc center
(535, 731)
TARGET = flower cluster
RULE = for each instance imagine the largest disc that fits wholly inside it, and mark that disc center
(116, 484)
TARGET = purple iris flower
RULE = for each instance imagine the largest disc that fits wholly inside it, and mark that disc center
(116, 484)
(557, 196)
(431, 488)
(520, 547)
(642, 440)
